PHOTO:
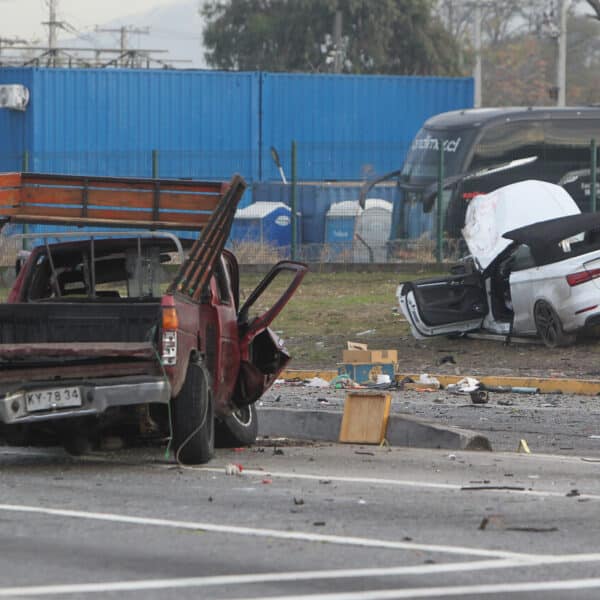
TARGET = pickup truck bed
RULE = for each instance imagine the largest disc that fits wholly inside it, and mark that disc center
(81, 321)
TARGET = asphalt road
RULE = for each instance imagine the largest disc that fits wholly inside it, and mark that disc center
(315, 521)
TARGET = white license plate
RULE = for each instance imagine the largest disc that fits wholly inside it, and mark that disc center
(51, 399)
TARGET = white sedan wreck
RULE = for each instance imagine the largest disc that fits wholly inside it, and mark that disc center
(533, 270)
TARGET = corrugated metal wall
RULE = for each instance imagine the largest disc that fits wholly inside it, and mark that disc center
(15, 126)
(208, 124)
(108, 121)
(349, 126)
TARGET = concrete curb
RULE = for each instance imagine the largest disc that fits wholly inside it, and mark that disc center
(546, 385)
(402, 430)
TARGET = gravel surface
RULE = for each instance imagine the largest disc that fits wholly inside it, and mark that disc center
(562, 424)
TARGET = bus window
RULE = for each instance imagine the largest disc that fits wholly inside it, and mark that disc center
(503, 142)
(567, 149)
(421, 163)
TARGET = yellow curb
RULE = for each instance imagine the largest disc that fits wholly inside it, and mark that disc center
(546, 385)
(327, 375)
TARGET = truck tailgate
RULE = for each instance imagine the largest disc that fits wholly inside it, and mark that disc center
(62, 340)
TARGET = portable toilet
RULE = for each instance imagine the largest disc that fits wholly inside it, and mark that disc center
(340, 225)
(267, 223)
(372, 232)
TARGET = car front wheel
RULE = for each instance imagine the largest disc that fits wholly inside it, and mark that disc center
(549, 326)
(240, 428)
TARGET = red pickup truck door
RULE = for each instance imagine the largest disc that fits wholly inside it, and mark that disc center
(262, 354)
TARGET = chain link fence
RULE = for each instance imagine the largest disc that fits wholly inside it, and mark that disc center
(298, 215)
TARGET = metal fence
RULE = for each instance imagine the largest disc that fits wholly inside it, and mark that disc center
(322, 221)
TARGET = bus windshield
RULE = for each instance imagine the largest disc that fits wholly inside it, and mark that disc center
(421, 163)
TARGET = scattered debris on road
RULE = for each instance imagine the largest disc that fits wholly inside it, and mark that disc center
(465, 386)
(479, 397)
(523, 447)
(233, 469)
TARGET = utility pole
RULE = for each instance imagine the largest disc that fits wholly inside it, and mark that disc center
(477, 46)
(561, 63)
(53, 25)
(128, 57)
(338, 58)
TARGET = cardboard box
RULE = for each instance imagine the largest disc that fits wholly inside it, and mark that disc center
(365, 417)
(370, 356)
(366, 372)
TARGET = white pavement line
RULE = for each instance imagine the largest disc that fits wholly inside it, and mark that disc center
(265, 533)
(448, 591)
(223, 580)
(229, 580)
(402, 483)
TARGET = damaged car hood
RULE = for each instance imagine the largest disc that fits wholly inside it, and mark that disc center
(511, 207)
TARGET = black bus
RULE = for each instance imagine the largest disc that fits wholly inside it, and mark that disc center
(555, 143)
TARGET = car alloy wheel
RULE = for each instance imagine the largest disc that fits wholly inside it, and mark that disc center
(549, 327)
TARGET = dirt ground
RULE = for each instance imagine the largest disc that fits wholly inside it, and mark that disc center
(486, 357)
(470, 356)
(330, 309)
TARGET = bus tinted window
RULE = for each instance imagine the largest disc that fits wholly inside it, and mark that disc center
(421, 163)
(504, 142)
(568, 155)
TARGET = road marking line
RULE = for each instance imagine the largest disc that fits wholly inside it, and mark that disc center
(447, 591)
(223, 580)
(267, 533)
(228, 580)
(395, 482)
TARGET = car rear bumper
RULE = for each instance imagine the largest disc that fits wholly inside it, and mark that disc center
(96, 398)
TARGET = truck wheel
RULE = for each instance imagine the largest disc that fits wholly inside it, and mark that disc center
(238, 429)
(193, 418)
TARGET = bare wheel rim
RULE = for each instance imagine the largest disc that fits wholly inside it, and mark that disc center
(243, 416)
(547, 322)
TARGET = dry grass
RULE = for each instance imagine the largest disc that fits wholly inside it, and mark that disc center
(258, 253)
(331, 308)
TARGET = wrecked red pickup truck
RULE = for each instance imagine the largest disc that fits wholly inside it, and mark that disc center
(90, 340)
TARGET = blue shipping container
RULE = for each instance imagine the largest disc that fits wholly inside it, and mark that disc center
(108, 122)
(350, 126)
(211, 124)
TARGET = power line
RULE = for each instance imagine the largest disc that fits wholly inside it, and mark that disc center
(129, 57)
(54, 55)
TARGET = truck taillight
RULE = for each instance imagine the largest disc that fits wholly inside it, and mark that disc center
(170, 324)
(582, 276)
(170, 320)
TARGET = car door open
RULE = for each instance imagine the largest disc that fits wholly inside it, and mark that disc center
(456, 303)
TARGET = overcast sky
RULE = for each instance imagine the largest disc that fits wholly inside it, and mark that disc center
(174, 24)
(23, 18)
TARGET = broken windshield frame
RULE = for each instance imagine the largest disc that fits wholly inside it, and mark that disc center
(89, 262)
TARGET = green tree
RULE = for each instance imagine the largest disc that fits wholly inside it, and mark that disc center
(378, 36)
